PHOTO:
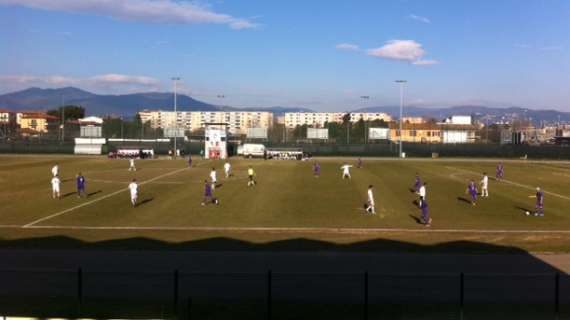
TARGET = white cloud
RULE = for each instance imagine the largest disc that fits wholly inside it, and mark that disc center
(108, 83)
(347, 47)
(406, 50)
(425, 62)
(419, 18)
(153, 11)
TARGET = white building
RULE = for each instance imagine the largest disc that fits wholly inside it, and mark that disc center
(318, 119)
(238, 121)
(458, 120)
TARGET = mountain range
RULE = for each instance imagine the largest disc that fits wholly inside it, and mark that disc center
(130, 104)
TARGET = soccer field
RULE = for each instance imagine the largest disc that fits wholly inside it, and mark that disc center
(287, 203)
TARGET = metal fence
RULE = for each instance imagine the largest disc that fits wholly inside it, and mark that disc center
(275, 295)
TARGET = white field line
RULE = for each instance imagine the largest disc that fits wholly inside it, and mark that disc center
(98, 199)
(291, 230)
(515, 184)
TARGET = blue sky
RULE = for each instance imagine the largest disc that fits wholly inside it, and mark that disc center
(318, 54)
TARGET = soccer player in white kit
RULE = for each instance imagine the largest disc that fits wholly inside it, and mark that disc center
(55, 187)
(213, 177)
(371, 205)
(485, 186)
(55, 170)
(134, 189)
(227, 169)
(132, 165)
(346, 171)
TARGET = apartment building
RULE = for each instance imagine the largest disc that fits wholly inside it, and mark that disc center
(318, 119)
(238, 121)
(34, 122)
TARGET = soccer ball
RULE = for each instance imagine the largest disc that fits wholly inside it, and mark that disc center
(527, 213)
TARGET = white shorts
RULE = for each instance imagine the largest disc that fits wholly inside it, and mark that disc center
(134, 195)
(55, 189)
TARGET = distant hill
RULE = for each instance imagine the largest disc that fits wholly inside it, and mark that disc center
(120, 105)
(126, 104)
(483, 113)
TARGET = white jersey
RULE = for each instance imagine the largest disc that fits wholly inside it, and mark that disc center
(213, 176)
(370, 197)
(55, 182)
(55, 170)
(423, 192)
(345, 169)
(132, 163)
(227, 167)
(485, 182)
(134, 188)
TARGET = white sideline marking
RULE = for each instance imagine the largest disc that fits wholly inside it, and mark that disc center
(515, 184)
(97, 200)
(296, 229)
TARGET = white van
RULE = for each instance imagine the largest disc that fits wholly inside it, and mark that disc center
(250, 150)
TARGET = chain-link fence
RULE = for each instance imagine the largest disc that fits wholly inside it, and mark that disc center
(269, 295)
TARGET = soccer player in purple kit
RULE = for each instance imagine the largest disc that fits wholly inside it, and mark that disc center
(80, 181)
(316, 170)
(418, 183)
(472, 190)
(189, 160)
(359, 163)
(208, 196)
(539, 205)
(426, 220)
(500, 171)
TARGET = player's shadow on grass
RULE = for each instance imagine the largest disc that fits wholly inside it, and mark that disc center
(145, 201)
(463, 200)
(94, 193)
(416, 203)
(416, 219)
(412, 190)
(524, 210)
(68, 194)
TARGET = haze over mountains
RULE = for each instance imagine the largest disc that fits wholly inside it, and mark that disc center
(130, 104)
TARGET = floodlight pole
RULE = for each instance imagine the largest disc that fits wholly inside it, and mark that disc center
(175, 80)
(402, 83)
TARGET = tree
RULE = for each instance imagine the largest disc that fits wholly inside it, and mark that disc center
(70, 112)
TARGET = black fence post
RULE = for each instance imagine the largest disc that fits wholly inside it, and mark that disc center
(269, 298)
(80, 291)
(557, 296)
(461, 294)
(366, 295)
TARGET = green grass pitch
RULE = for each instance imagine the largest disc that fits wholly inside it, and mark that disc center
(287, 196)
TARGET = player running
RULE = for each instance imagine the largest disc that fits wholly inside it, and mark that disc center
(426, 219)
(539, 205)
(500, 171)
(134, 189)
(55, 187)
(485, 186)
(208, 194)
(251, 177)
(189, 161)
(472, 190)
(417, 183)
(359, 163)
(213, 178)
(132, 166)
(55, 170)
(370, 208)
(346, 171)
(80, 182)
(227, 169)
(316, 170)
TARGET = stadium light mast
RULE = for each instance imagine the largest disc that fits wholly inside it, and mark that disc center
(175, 81)
(402, 84)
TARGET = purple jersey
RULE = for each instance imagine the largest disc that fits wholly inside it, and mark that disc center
(80, 182)
(472, 188)
(317, 168)
(500, 170)
(418, 183)
(539, 199)
(208, 190)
